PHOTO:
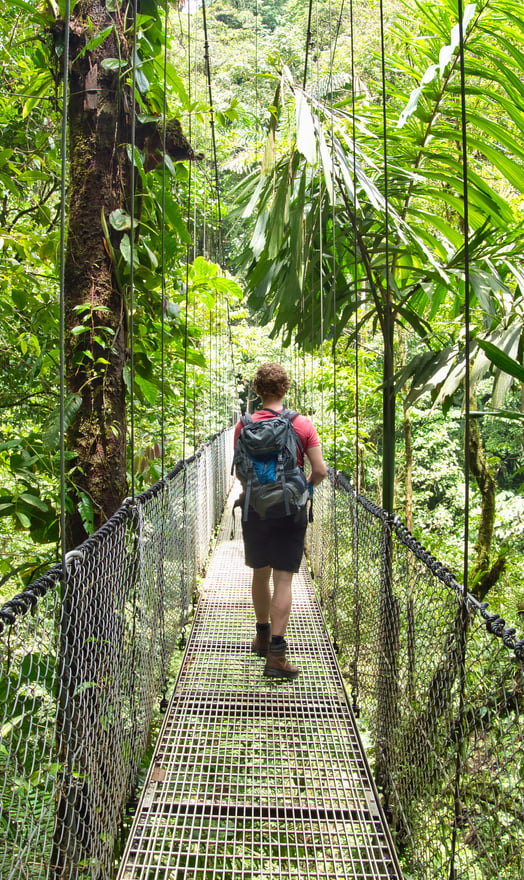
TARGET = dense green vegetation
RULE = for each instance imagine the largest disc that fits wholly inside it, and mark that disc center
(313, 268)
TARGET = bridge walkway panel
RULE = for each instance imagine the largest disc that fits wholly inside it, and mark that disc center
(253, 777)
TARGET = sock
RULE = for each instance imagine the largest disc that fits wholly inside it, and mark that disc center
(278, 644)
(263, 627)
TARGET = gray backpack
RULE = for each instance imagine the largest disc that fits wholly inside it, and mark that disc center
(266, 463)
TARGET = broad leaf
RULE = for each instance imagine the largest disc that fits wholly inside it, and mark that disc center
(503, 361)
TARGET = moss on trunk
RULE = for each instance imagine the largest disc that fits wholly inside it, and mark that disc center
(95, 357)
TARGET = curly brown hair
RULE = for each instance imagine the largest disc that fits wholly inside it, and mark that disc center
(271, 381)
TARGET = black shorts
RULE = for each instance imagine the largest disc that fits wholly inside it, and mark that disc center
(275, 542)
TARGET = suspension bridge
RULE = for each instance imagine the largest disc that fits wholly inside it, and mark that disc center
(398, 751)
(251, 778)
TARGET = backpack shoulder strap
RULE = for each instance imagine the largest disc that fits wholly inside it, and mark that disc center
(291, 415)
(246, 419)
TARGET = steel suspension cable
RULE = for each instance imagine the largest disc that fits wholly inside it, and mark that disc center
(463, 611)
(388, 398)
(308, 43)
(213, 133)
(163, 305)
(356, 541)
(132, 249)
(336, 561)
(133, 768)
(190, 31)
(321, 246)
(256, 80)
(163, 254)
(220, 246)
(334, 43)
(355, 250)
(63, 188)
(65, 684)
(188, 250)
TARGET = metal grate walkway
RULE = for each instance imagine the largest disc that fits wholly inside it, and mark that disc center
(256, 778)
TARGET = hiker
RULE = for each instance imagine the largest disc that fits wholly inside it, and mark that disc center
(274, 537)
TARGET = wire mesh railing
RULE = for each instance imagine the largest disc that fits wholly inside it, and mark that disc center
(83, 667)
(438, 683)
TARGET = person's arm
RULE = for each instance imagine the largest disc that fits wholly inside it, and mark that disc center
(318, 465)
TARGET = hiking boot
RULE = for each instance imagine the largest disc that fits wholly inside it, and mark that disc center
(260, 644)
(278, 667)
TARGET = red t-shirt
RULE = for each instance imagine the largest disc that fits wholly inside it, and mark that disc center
(303, 426)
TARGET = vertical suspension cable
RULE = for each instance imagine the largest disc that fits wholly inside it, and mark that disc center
(256, 83)
(388, 398)
(162, 259)
(356, 537)
(65, 683)
(132, 251)
(388, 610)
(355, 261)
(308, 43)
(321, 248)
(188, 249)
(163, 303)
(220, 249)
(213, 133)
(192, 30)
(463, 610)
(137, 513)
(63, 185)
(336, 566)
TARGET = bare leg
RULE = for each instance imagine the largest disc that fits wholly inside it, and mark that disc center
(281, 602)
(261, 593)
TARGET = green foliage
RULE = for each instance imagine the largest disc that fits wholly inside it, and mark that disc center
(170, 324)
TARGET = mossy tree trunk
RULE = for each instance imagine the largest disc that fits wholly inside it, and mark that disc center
(95, 356)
